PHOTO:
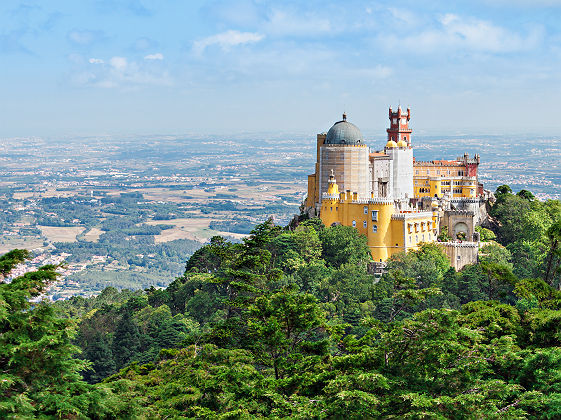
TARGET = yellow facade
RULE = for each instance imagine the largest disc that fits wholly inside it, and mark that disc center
(437, 178)
(387, 230)
(456, 187)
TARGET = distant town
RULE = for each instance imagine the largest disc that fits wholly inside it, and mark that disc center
(128, 212)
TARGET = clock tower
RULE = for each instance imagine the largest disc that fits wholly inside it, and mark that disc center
(399, 126)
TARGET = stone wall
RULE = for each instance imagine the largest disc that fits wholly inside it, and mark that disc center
(459, 221)
(461, 254)
(350, 166)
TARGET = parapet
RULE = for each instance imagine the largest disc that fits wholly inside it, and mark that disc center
(460, 213)
(466, 200)
(459, 244)
(412, 215)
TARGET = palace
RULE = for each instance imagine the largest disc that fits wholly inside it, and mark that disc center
(396, 201)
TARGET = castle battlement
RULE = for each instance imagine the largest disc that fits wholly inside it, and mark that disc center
(412, 215)
(467, 200)
(345, 145)
(460, 213)
(459, 244)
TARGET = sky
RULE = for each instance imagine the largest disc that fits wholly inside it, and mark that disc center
(126, 67)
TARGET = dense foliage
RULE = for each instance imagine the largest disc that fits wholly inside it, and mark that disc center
(531, 232)
(291, 324)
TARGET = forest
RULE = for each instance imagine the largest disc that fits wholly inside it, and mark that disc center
(290, 323)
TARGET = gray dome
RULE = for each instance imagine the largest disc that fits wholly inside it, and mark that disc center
(344, 132)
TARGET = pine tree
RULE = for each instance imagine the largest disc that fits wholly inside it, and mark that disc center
(38, 375)
(101, 356)
(127, 341)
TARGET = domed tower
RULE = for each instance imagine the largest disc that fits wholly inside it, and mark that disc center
(345, 153)
(401, 153)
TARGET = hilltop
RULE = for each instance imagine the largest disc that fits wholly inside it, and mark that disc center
(289, 323)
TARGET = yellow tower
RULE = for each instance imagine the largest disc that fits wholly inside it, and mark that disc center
(380, 239)
(435, 187)
(330, 202)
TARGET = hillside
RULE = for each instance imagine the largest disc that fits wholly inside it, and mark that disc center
(290, 324)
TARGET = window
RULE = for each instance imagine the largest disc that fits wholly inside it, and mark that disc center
(374, 228)
(438, 171)
(416, 238)
(459, 258)
(331, 208)
(417, 172)
(374, 215)
(354, 223)
(365, 209)
(364, 224)
(423, 237)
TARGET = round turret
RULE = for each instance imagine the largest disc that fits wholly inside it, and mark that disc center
(344, 132)
(401, 143)
(391, 144)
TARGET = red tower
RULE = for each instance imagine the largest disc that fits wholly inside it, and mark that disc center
(399, 126)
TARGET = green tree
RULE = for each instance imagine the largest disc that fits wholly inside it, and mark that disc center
(528, 258)
(426, 265)
(444, 236)
(9, 260)
(38, 375)
(285, 326)
(101, 357)
(554, 253)
(127, 342)
(503, 190)
(342, 245)
(495, 253)
(526, 195)
(485, 235)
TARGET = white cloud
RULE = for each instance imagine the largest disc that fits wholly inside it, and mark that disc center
(296, 24)
(85, 37)
(118, 63)
(403, 15)
(376, 72)
(466, 34)
(227, 39)
(119, 72)
(157, 56)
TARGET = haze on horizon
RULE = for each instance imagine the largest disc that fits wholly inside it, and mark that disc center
(147, 66)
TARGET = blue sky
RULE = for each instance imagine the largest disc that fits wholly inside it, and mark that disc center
(88, 67)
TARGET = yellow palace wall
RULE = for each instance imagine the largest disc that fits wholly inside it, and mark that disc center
(457, 187)
(388, 232)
